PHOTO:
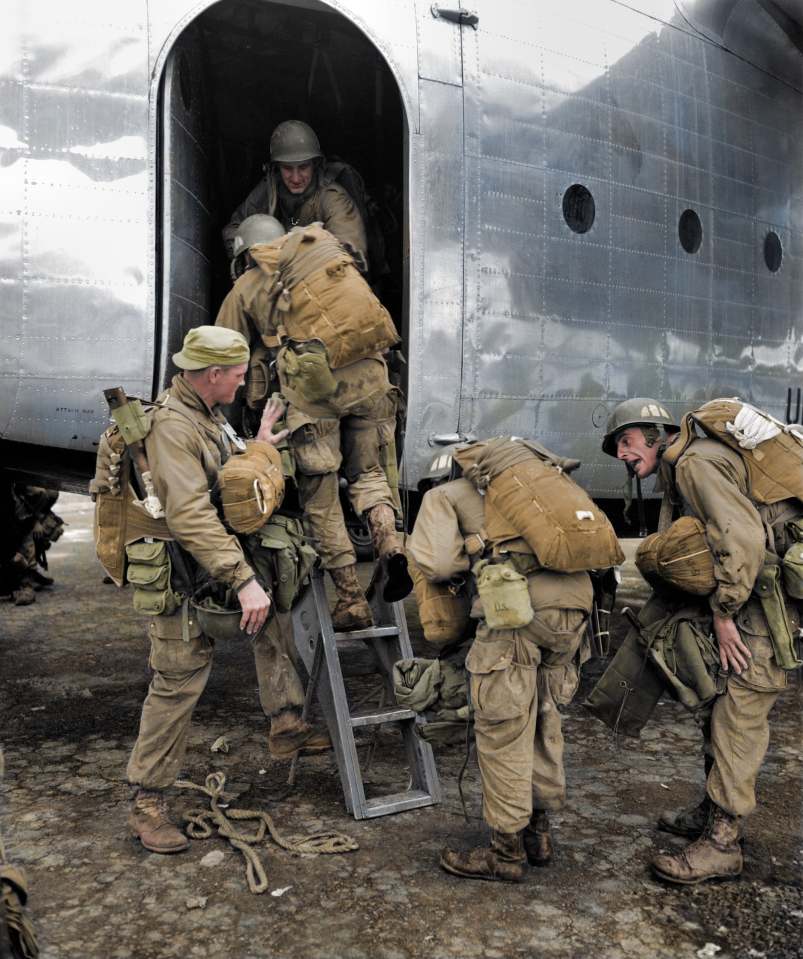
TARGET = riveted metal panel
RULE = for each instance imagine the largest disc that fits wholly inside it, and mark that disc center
(73, 217)
(653, 119)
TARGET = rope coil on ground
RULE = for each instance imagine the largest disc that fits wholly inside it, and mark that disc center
(201, 825)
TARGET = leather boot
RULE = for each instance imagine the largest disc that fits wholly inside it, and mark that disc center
(149, 822)
(716, 854)
(351, 610)
(39, 580)
(503, 861)
(391, 574)
(538, 839)
(290, 734)
(24, 595)
(689, 822)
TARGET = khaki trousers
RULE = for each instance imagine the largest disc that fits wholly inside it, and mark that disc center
(180, 673)
(739, 727)
(349, 434)
(519, 678)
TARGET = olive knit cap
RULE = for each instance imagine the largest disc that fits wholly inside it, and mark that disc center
(212, 346)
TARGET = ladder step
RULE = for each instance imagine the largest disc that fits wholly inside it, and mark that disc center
(388, 714)
(398, 802)
(375, 632)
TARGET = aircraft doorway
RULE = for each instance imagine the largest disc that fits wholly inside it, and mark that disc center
(236, 71)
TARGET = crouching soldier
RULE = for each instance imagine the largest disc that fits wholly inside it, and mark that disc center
(303, 305)
(177, 543)
(520, 536)
(724, 614)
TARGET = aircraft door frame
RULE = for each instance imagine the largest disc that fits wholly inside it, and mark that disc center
(184, 209)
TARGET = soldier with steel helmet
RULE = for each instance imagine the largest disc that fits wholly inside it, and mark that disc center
(709, 633)
(300, 188)
(319, 334)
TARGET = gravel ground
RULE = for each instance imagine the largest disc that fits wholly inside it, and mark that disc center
(73, 676)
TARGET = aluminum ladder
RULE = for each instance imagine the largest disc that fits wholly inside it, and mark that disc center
(319, 648)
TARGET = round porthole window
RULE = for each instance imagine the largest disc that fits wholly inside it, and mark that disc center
(185, 81)
(690, 231)
(773, 251)
(579, 209)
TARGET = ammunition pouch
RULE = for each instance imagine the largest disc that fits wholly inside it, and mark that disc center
(282, 558)
(504, 594)
(767, 589)
(149, 569)
(251, 487)
(304, 369)
(443, 608)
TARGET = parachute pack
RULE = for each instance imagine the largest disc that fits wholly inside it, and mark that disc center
(318, 294)
(531, 505)
(771, 451)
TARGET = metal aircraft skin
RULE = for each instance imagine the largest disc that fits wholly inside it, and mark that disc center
(602, 199)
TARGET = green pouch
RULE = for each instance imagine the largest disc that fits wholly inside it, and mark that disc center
(768, 590)
(504, 594)
(148, 554)
(149, 570)
(627, 692)
(308, 372)
(793, 570)
(282, 557)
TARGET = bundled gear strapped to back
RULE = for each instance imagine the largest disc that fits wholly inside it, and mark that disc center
(529, 497)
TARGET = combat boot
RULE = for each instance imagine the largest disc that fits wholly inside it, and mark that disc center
(39, 580)
(149, 822)
(391, 574)
(23, 595)
(716, 854)
(538, 839)
(689, 822)
(692, 821)
(503, 861)
(351, 610)
(290, 734)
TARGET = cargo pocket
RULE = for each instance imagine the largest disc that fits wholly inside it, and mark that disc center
(316, 446)
(558, 630)
(174, 657)
(149, 573)
(763, 673)
(562, 682)
(499, 689)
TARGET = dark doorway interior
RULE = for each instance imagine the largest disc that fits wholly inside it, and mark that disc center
(264, 62)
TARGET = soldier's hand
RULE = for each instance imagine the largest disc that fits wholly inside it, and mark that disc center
(733, 653)
(273, 412)
(255, 604)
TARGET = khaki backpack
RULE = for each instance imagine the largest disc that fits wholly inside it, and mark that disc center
(319, 294)
(772, 452)
(529, 497)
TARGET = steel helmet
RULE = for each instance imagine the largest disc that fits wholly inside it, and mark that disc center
(257, 228)
(640, 410)
(294, 141)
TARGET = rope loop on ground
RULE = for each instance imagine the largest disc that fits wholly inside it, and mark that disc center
(202, 823)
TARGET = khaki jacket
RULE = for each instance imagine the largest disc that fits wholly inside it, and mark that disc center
(329, 204)
(448, 515)
(186, 449)
(710, 480)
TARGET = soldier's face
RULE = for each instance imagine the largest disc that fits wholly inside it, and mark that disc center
(225, 381)
(632, 448)
(296, 176)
